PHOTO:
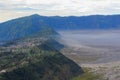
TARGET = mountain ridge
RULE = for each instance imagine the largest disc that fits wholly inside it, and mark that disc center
(77, 22)
(24, 27)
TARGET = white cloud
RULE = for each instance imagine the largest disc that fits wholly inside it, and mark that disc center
(58, 7)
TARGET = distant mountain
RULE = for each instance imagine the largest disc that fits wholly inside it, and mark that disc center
(84, 22)
(29, 25)
(24, 27)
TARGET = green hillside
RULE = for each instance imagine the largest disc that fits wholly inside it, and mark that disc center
(39, 62)
(24, 27)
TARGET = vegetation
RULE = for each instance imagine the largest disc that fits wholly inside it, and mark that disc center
(24, 27)
(39, 62)
(88, 75)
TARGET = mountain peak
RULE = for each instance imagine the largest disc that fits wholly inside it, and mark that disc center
(25, 27)
(35, 15)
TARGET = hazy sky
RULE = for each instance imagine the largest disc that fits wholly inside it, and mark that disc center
(16, 8)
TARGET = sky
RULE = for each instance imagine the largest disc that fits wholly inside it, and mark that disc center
(10, 9)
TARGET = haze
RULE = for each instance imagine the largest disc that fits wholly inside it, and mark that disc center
(100, 45)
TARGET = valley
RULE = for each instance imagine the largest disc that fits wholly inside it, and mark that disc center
(98, 50)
